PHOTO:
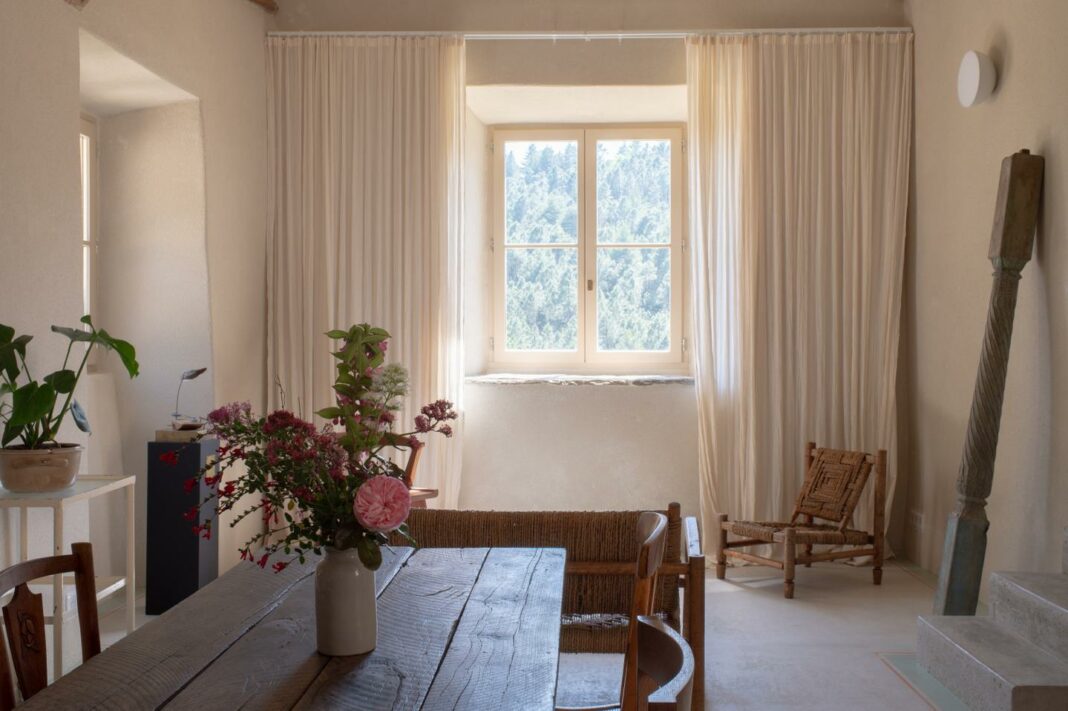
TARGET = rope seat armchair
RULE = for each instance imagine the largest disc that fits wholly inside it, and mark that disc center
(834, 482)
(599, 578)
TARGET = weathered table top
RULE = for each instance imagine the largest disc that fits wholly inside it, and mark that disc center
(470, 628)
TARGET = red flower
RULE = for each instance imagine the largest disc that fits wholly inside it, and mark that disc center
(246, 554)
(191, 514)
(170, 458)
(262, 562)
(279, 566)
(227, 490)
(189, 485)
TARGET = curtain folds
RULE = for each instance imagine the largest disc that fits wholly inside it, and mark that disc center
(799, 162)
(365, 156)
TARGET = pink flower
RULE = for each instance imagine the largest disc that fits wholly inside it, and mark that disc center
(229, 413)
(382, 503)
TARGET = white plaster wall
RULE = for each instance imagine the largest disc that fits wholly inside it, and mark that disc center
(958, 153)
(580, 447)
(212, 49)
(154, 274)
(40, 211)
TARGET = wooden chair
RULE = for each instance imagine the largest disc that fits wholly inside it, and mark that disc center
(599, 579)
(832, 488)
(419, 495)
(25, 621)
(652, 540)
(665, 667)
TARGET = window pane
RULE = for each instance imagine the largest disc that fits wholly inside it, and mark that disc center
(86, 279)
(85, 146)
(634, 192)
(541, 299)
(541, 192)
(633, 299)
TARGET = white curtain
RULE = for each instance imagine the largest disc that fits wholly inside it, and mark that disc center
(799, 162)
(365, 217)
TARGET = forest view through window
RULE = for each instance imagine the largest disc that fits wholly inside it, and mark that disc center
(588, 256)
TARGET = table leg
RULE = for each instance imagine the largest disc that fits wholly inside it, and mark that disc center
(57, 595)
(131, 558)
(24, 534)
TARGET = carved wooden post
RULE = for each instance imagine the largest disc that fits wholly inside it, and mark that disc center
(1015, 216)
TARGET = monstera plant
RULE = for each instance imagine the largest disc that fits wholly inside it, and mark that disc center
(32, 410)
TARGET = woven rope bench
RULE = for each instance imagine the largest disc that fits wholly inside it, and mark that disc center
(834, 482)
(599, 578)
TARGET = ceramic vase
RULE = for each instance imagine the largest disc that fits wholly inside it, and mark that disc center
(346, 619)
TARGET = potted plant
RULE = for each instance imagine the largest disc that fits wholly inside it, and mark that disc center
(332, 489)
(32, 411)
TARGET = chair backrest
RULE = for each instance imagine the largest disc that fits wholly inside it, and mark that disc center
(652, 541)
(665, 667)
(833, 484)
(413, 462)
(601, 551)
(25, 623)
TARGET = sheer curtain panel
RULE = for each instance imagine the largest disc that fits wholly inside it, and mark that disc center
(365, 161)
(799, 163)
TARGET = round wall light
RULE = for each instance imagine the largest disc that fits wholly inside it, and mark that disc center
(976, 78)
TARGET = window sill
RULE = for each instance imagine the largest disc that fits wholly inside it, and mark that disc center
(561, 379)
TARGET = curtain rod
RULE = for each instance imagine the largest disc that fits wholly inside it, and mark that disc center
(588, 36)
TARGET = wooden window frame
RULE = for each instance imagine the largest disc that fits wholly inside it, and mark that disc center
(586, 358)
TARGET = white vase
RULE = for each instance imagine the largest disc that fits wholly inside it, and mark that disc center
(346, 618)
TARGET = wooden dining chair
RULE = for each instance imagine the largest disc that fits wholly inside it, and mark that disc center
(24, 620)
(665, 667)
(652, 537)
(419, 495)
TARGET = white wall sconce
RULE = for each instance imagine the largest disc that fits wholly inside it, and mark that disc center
(976, 78)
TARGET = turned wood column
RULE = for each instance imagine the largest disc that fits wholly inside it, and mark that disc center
(1015, 217)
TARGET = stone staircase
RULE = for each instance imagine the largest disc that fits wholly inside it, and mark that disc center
(1016, 659)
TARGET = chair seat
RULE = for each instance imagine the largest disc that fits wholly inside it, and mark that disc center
(589, 679)
(806, 534)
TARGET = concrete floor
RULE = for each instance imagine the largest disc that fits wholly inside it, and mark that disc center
(822, 650)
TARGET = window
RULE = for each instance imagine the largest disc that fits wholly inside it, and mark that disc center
(87, 151)
(587, 249)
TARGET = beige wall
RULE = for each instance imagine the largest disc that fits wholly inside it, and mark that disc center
(211, 48)
(153, 276)
(578, 15)
(957, 157)
(579, 447)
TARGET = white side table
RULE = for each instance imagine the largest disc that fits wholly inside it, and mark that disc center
(85, 487)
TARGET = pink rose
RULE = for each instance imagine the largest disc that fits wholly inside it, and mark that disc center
(382, 503)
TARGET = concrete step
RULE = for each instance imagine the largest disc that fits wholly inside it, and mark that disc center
(988, 667)
(1034, 606)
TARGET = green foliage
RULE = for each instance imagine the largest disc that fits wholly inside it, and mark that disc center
(633, 208)
(32, 412)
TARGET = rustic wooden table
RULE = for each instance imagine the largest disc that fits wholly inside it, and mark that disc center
(458, 628)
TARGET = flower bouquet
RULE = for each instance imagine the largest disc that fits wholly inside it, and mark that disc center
(332, 489)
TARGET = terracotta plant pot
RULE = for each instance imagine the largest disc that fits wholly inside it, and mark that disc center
(31, 471)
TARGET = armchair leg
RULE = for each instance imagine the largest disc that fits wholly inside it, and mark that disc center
(789, 557)
(721, 549)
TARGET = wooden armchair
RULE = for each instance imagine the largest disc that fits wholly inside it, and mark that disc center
(24, 620)
(832, 488)
(598, 585)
